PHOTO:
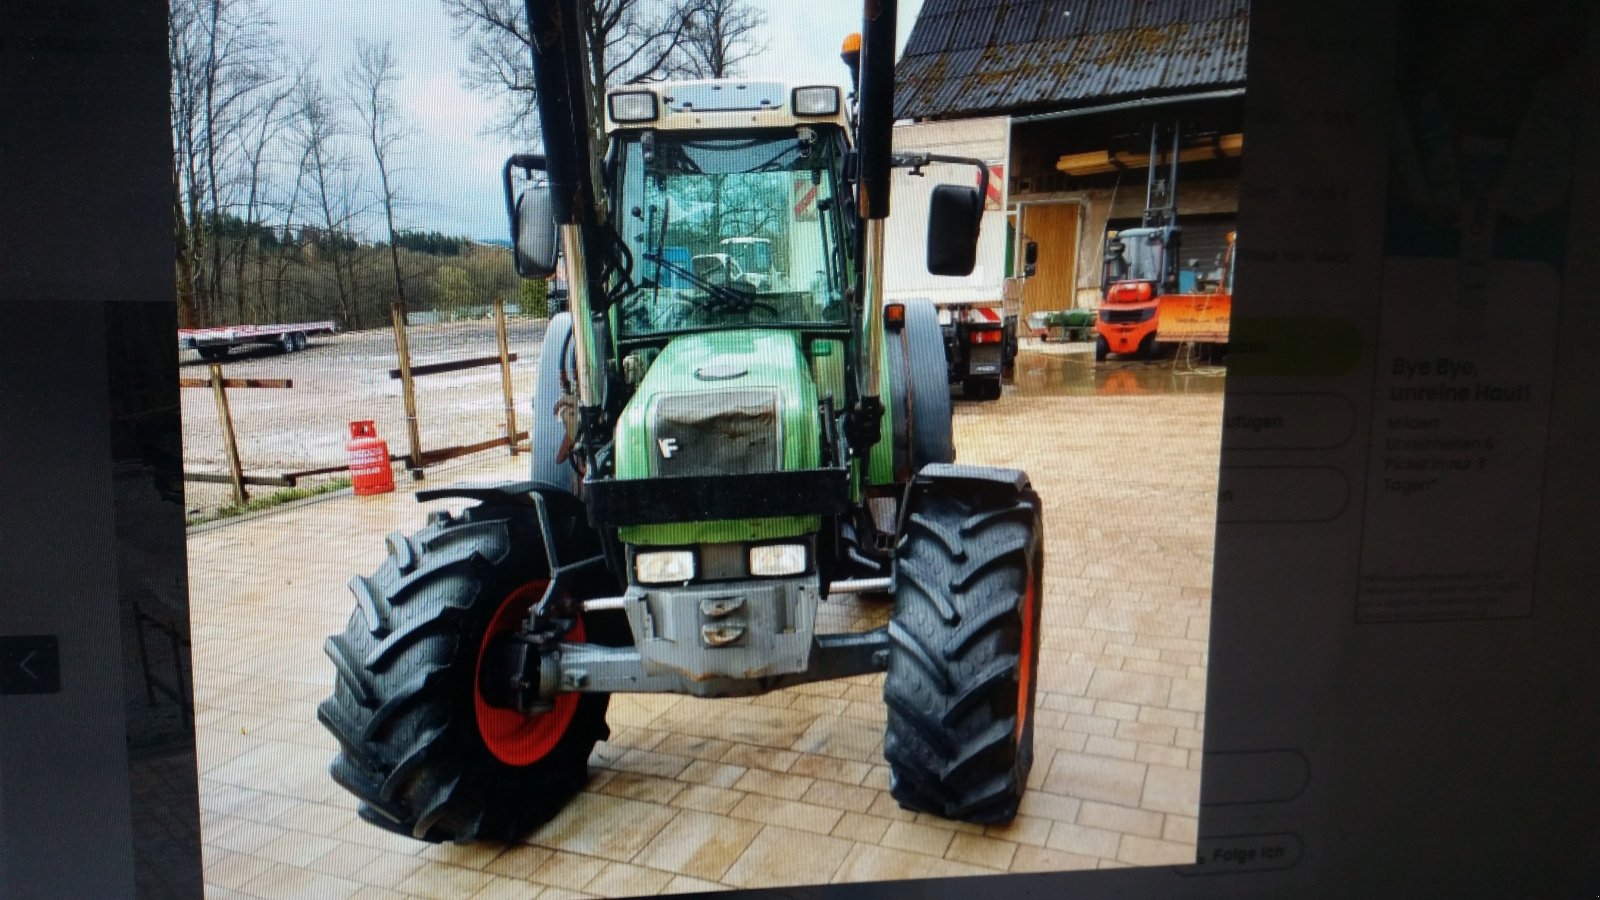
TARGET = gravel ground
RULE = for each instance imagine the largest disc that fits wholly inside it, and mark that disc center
(343, 378)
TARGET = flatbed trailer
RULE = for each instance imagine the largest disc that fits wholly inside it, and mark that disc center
(214, 343)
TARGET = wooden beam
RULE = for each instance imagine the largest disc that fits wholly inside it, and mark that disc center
(227, 478)
(455, 366)
(238, 382)
(436, 456)
(1101, 162)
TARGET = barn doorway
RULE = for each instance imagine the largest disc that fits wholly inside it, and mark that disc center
(1054, 227)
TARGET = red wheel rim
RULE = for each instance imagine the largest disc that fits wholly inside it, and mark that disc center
(516, 739)
(1030, 612)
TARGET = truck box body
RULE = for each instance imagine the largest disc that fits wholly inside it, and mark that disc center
(906, 234)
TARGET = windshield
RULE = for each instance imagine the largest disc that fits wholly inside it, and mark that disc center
(730, 231)
(1142, 257)
(754, 255)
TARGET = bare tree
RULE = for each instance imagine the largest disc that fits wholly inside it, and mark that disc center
(271, 116)
(332, 185)
(220, 55)
(722, 36)
(628, 41)
(370, 82)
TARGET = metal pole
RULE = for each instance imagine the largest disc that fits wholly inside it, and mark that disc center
(872, 328)
(875, 146)
(402, 350)
(1172, 175)
(582, 325)
(235, 471)
(505, 374)
(1150, 177)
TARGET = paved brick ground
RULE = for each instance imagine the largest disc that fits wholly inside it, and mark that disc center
(789, 788)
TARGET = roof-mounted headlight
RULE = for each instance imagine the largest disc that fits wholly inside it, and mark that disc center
(632, 106)
(815, 101)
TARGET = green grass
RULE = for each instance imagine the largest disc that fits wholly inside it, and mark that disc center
(276, 498)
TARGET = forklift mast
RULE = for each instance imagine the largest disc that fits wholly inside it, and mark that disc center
(1161, 194)
(1150, 252)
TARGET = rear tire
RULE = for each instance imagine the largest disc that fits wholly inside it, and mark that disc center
(962, 676)
(919, 390)
(213, 354)
(1101, 348)
(405, 706)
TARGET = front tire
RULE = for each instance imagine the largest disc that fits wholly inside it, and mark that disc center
(962, 675)
(416, 746)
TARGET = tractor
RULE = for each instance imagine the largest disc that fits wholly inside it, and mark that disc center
(713, 461)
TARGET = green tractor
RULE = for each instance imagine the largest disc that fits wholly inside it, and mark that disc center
(714, 459)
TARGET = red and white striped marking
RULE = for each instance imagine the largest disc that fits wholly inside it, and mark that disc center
(995, 199)
(805, 200)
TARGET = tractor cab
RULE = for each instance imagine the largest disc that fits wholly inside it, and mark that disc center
(745, 204)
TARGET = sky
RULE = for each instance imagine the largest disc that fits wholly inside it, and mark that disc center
(449, 168)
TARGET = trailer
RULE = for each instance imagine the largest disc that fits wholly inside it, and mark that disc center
(214, 343)
(978, 313)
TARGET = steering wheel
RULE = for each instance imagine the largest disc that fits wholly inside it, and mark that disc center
(768, 309)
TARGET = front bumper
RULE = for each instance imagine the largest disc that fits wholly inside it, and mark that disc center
(720, 639)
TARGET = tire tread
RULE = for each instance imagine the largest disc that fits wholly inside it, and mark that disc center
(951, 693)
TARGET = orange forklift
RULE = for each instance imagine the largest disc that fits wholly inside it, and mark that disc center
(1142, 306)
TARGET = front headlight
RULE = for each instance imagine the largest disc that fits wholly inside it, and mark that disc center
(778, 559)
(664, 566)
(634, 106)
(816, 101)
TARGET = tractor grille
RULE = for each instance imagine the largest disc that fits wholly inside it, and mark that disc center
(722, 433)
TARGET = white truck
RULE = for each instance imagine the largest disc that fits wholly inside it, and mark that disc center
(214, 343)
(978, 314)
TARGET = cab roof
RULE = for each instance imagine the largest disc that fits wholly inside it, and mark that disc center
(720, 103)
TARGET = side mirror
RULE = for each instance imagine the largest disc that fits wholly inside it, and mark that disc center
(534, 232)
(955, 214)
(1030, 259)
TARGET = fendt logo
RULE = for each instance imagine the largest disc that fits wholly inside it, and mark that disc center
(668, 447)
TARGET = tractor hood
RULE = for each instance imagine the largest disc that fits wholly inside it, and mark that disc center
(722, 403)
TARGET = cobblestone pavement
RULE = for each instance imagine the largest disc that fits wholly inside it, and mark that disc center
(788, 788)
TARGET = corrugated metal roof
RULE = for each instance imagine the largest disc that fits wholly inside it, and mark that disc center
(988, 56)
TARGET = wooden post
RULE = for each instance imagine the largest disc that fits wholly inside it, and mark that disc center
(505, 374)
(403, 351)
(236, 471)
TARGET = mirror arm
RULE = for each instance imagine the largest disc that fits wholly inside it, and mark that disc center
(916, 161)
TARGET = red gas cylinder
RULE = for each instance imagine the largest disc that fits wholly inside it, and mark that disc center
(369, 460)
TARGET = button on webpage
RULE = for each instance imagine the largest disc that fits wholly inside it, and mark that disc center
(30, 664)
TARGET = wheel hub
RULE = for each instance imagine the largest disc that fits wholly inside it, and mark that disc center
(517, 721)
